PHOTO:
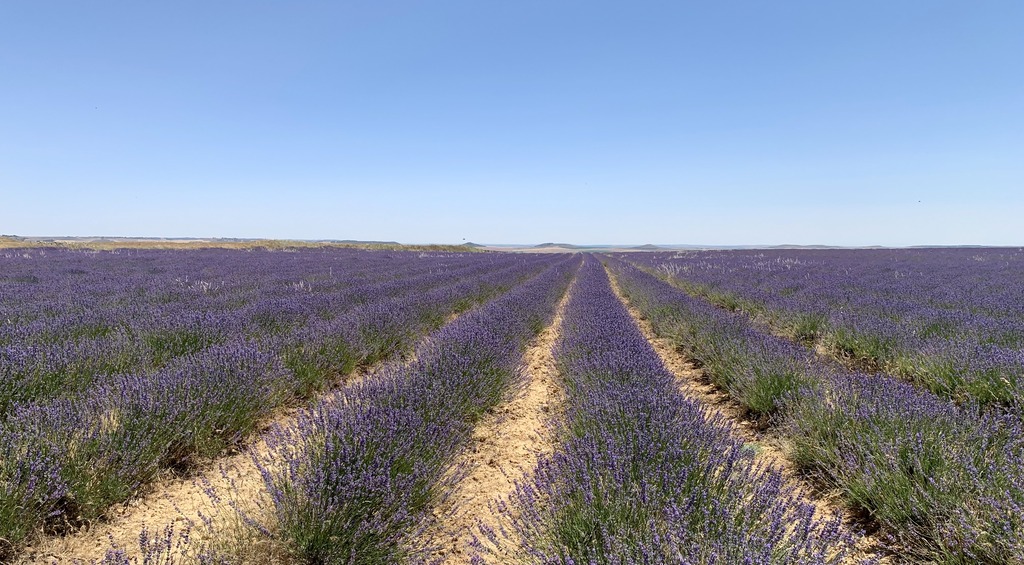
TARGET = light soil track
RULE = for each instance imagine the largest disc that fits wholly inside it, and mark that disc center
(769, 450)
(506, 445)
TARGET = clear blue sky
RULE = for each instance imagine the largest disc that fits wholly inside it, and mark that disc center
(716, 122)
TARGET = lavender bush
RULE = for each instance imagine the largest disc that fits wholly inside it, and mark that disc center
(759, 370)
(945, 481)
(644, 475)
(949, 320)
(117, 367)
(359, 472)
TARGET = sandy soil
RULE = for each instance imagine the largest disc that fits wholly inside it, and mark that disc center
(770, 450)
(171, 502)
(507, 444)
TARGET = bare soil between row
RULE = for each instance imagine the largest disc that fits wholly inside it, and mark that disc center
(506, 446)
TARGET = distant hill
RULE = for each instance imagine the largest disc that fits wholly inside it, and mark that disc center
(793, 246)
(354, 242)
(646, 247)
(561, 245)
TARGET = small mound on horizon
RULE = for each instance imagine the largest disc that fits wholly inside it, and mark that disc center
(562, 245)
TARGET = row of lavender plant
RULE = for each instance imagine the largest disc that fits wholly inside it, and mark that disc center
(950, 320)
(359, 472)
(645, 475)
(52, 296)
(377, 329)
(105, 327)
(65, 460)
(944, 481)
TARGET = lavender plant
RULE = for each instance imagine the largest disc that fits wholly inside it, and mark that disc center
(948, 320)
(760, 371)
(359, 472)
(644, 475)
(945, 481)
(119, 367)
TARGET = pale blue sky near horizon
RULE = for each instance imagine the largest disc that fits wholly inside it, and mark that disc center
(728, 122)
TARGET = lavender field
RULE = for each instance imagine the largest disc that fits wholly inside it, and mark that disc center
(331, 405)
(893, 376)
(949, 320)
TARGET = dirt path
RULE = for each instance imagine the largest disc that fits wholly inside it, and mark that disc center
(172, 502)
(507, 444)
(770, 450)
